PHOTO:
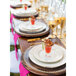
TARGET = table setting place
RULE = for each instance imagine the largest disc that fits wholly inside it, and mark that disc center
(40, 28)
(19, 3)
(35, 28)
(45, 57)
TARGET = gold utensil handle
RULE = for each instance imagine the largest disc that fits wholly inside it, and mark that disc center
(30, 40)
(35, 43)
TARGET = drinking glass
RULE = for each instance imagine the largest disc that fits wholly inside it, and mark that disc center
(63, 18)
(35, 1)
(62, 26)
(47, 50)
(51, 10)
(25, 7)
(36, 4)
(31, 1)
(44, 8)
(58, 21)
(32, 21)
(52, 25)
(20, 0)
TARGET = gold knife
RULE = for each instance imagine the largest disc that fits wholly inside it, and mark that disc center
(35, 39)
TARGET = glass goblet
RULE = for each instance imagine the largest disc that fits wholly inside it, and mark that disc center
(32, 21)
(25, 7)
(62, 26)
(47, 50)
(52, 25)
(58, 21)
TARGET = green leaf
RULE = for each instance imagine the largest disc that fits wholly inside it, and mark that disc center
(43, 46)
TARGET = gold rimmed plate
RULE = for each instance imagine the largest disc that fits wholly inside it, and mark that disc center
(56, 63)
(55, 55)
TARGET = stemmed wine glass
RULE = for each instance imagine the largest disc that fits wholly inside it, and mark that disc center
(62, 26)
(31, 1)
(58, 21)
(52, 25)
(36, 4)
(44, 5)
(59, 11)
(63, 18)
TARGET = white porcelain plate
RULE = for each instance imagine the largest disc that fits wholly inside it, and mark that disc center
(28, 27)
(56, 62)
(55, 55)
(24, 13)
(17, 3)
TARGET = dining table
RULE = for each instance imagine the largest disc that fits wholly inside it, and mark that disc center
(25, 44)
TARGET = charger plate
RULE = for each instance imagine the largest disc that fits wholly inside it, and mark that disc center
(29, 65)
(56, 54)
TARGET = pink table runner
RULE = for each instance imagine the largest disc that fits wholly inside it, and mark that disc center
(23, 71)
